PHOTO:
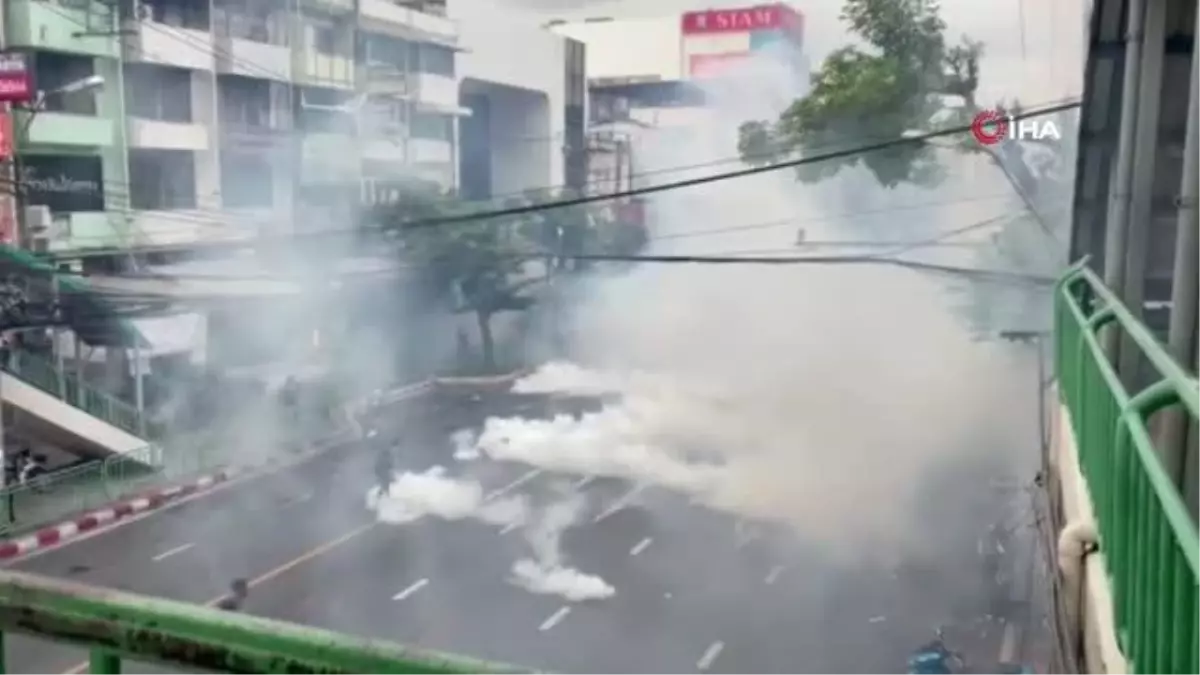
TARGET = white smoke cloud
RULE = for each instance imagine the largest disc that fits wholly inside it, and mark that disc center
(412, 496)
(823, 397)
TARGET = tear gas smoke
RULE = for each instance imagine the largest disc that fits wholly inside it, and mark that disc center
(822, 397)
(412, 496)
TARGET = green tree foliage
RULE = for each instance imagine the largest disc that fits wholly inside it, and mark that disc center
(895, 84)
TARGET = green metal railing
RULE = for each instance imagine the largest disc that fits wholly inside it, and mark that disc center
(115, 625)
(67, 492)
(67, 387)
(1149, 540)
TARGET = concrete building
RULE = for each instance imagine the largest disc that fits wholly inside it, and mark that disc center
(659, 73)
(525, 87)
(220, 120)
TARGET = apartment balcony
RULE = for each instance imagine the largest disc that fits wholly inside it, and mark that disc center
(323, 70)
(163, 45)
(65, 129)
(335, 7)
(262, 60)
(330, 157)
(81, 28)
(437, 93)
(385, 150)
(146, 133)
(389, 17)
(383, 79)
(430, 151)
(242, 137)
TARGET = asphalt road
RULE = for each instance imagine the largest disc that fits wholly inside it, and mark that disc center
(695, 592)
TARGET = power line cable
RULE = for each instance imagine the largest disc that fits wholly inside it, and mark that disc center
(654, 189)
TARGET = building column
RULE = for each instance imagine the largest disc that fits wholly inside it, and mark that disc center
(1145, 146)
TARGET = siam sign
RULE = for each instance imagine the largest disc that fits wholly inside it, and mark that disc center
(760, 17)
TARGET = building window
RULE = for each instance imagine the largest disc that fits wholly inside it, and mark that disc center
(324, 40)
(432, 126)
(432, 59)
(162, 179)
(250, 22)
(52, 71)
(177, 13)
(246, 181)
(384, 50)
(159, 93)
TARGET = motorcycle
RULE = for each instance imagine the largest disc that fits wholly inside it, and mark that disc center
(936, 658)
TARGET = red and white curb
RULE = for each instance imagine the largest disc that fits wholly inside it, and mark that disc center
(56, 534)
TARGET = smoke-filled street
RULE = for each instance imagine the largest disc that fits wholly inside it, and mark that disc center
(628, 578)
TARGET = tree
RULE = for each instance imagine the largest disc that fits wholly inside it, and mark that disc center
(473, 266)
(906, 79)
(893, 86)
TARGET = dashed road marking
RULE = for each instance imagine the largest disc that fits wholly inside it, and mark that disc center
(773, 575)
(500, 492)
(297, 500)
(1008, 647)
(583, 482)
(710, 655)
(411, 590)
(622, 502)
(641, 546)
(555, 618)
(509, 528)
(174, 551)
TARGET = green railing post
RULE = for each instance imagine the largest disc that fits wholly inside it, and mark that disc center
(1149, 541)
(104, 662)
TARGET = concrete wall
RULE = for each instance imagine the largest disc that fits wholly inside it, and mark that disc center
(512, 50)
(1101, 652)
(648, 47)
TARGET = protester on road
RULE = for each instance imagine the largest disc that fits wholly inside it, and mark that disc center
(238, 592)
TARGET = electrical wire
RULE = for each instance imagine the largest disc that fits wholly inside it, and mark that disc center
(494, 214)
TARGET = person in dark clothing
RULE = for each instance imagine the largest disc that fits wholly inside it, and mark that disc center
(384, 470)
(238, 591)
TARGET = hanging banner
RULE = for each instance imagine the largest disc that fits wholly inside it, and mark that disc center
(16, 82)
(6, 133)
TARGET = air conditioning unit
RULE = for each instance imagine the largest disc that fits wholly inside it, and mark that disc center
(39, 222)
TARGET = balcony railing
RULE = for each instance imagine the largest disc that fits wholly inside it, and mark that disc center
(1148, 538)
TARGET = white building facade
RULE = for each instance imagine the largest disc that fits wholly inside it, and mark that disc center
(526, 89)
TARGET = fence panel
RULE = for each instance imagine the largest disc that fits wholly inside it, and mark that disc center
(1149, 540)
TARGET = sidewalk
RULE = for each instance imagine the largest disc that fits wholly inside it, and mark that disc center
(90, 520)
(70, 509)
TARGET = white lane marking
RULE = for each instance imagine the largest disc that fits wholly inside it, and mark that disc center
(500, 492)
(773, 575)
(411, 590)
(299, 499)
(167, 554)
(1008, 647)
(555, 618)
(710, 655)
(583, 482)
(641, 546)
(509, 528)
(620, 504)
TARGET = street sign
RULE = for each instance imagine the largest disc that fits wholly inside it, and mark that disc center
(16, 84)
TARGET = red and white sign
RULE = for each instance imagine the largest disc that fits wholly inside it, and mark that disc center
(6, 133)
(16, 84)
(702, 66)
(760, 17)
